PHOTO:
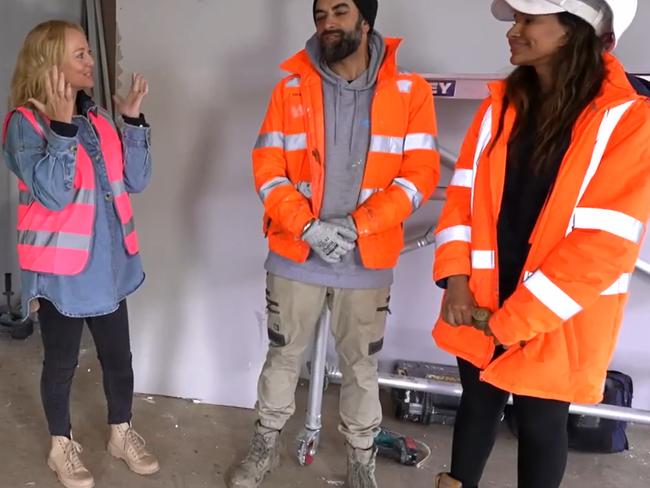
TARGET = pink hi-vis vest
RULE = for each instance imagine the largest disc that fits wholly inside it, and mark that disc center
(59, 242)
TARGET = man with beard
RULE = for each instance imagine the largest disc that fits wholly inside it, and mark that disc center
(346, 153)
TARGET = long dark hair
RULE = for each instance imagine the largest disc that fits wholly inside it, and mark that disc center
(578, 75)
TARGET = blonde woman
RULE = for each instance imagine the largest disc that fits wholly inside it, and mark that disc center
(77, 246)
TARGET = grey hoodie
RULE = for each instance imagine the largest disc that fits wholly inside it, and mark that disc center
(347, 107)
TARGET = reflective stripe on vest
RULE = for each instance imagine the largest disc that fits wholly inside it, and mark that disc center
(270, 139)
(129, 226)
(366, 193)
(483, 259)
(412, 192)
(64, 240)
(82, 196)
(293, 82)
(24, 197)
(420, 142)
(620, 287)
(616, 223)
(279, 140)
(387, 145)
(463, 178)
(404, 86)
(118, 187)
(552, 296)
(461, 233)
(399, 145)
(270, 185)
(56, 239)
(484, 136)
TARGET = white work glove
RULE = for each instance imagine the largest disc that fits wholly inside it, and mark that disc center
(347, 222)
(330, 241)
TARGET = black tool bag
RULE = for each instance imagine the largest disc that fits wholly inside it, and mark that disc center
(593, 434)
(422, 407)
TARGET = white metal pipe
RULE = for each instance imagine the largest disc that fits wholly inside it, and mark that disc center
(643, 266)
(426, 240)
(317, 378)
(612, 412)
(447, 157)
(455, 389)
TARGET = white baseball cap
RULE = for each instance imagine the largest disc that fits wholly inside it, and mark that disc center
(605, 16)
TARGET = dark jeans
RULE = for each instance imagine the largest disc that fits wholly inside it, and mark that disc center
(543, 441)
(61, 341)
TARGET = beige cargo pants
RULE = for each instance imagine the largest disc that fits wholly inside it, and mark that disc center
(358, 319)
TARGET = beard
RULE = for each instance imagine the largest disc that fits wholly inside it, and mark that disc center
(347, 44)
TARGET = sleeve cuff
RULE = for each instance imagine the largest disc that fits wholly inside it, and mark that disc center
(63, 129)
(359, 217)
(503, 335)
(139, 121)
(300, 225)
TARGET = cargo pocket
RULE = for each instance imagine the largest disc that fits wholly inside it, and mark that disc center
(276, 339)
(379, 324)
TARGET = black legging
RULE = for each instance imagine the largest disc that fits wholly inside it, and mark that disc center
(61, 341)
(543, 442)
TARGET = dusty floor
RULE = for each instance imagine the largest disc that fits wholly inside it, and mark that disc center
(197, 443)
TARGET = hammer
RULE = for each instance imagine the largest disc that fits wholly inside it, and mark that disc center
(481, 318)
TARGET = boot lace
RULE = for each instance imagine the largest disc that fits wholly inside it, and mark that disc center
(260, 450)
(362, 475)
(72, 459)
(136, 443)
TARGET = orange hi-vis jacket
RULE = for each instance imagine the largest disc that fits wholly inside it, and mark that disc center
(402, 167)
(59, 242)
(561, 323)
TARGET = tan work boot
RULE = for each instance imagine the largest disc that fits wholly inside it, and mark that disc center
(361, 467)
(126, 444)
(443, 480)
(64, 460)
(263, 457)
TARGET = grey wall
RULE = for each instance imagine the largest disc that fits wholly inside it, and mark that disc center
(198, 323)
(18, 18)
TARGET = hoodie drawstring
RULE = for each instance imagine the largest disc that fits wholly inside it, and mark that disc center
(354, 119)
(337, 106)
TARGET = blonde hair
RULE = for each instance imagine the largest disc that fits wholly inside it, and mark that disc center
(43, 48)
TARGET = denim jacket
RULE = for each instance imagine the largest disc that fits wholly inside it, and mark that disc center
(47, 166)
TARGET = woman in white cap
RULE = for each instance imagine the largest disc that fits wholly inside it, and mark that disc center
(540, 233)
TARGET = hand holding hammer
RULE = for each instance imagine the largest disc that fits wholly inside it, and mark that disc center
(481, 321)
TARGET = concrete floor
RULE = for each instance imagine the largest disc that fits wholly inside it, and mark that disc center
(197, 443)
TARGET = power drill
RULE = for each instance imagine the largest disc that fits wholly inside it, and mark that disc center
(396, 446)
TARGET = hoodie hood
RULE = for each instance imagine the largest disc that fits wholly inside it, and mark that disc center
(364, 85)
(368, 78)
